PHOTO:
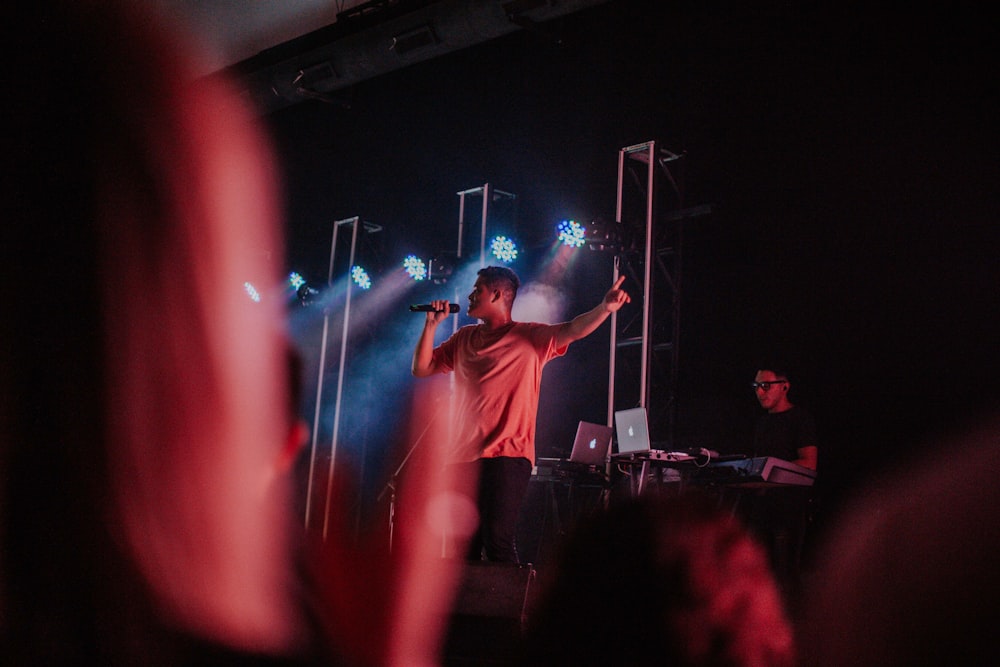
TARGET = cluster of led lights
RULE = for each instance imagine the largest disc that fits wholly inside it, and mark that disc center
(571, 233)
(415, 267)
(503, 249)
(305, 293)
(252, 292)
(360, 277)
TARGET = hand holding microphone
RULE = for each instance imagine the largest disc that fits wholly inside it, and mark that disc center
(429, 308)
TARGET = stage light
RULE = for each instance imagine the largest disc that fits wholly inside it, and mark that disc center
(503, 249)
(602, 235)
(571, 233)
(442, 266)
(360, 277)
(252, 292)
(415, 267)
(305, 294)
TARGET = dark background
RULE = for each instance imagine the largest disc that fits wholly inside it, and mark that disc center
(849, 157)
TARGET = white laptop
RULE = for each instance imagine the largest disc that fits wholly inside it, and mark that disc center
(632, 431)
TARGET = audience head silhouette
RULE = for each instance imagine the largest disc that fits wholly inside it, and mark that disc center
(661, 581)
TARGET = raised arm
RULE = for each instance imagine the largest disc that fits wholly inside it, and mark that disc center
(423, 355)
(584, 324)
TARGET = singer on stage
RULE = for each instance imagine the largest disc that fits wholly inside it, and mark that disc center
(498, 370)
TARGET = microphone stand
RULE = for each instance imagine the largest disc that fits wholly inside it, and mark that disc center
(390, 487)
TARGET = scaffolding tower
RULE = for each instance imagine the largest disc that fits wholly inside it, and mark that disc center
(645, 339)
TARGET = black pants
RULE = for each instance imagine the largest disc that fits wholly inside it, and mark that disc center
(502, 484)
(779, 519)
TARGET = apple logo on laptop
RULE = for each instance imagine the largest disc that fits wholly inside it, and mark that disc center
(631, 433)
(593, 443)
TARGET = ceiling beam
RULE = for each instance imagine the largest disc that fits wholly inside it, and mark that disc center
(381, 36)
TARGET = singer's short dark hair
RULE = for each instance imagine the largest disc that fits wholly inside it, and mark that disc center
(500, 277)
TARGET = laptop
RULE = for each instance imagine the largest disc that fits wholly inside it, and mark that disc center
(588, 456)
(632, 430)
(591, 445)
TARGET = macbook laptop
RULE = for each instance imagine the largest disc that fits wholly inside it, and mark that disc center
(591, 445)
(588, 456)
(632, 430)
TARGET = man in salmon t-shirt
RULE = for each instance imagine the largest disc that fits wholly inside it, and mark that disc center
(498, 370)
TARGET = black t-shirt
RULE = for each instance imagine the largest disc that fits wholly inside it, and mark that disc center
(782, 434)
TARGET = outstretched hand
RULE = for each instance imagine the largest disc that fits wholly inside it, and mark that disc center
(616, 297)
(585, 323)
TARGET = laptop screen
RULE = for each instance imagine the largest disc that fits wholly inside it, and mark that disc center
(592, 443)
(632, 431)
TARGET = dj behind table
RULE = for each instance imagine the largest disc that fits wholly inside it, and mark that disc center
(592, 462)
(638, 457)
(593, 474)
(772, 496)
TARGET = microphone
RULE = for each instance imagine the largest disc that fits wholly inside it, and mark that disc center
(428, 308)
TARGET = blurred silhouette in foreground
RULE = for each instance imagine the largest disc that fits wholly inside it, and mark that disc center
(660, 581)
(144, 494)
(143, 388)
(908, 575)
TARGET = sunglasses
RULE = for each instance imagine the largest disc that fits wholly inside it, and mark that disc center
(766, 385)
